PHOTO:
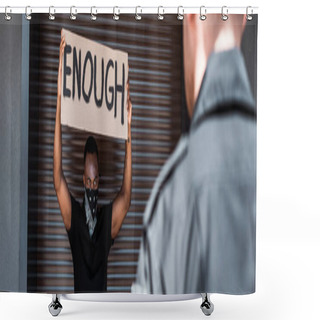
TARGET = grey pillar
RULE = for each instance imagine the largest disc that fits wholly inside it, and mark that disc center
(14, 114)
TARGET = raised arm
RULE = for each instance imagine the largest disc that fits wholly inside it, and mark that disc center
(121, 203)
(60, 184)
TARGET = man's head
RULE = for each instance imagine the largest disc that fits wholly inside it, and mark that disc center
(200, 38)
(91, 164)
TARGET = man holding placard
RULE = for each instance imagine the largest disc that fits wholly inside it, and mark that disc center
(91, 230)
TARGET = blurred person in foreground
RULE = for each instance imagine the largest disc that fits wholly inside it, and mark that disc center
(199, 223)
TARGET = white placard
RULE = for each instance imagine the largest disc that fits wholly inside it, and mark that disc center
(94, 78)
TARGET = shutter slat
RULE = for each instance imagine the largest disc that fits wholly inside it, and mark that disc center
(155, 60)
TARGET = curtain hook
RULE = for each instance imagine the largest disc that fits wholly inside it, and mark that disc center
(203, 14)
(116, 14)
(248, 16)
(28, 13)
(52, 11)
(7, 10)
(224, 16)
(73, 13)
(180, 13)
(160, 15)
(93, 16)
(138, 16)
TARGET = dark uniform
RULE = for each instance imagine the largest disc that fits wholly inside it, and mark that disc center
(90, 255)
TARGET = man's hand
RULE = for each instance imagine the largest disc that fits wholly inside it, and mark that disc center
(129, 105)
(60, 184)
(121, 203)
(129, 110)
(62, 46)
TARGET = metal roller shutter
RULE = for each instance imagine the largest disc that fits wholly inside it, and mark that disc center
(155, 60)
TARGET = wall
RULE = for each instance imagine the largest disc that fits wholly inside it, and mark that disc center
(14, 65)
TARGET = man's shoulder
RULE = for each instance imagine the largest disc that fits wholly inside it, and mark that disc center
(228, 133)
(76, 218)
(75, 204)
(221, 147)
(106, 209)
(104, 221)
(107, 206)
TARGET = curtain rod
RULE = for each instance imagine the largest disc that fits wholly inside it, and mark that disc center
(139, 10)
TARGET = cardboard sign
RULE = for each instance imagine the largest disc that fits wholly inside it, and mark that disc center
(94, 95)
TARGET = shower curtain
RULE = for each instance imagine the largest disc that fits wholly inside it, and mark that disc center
(128, 157)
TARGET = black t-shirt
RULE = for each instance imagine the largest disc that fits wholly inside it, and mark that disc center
(90, 255)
